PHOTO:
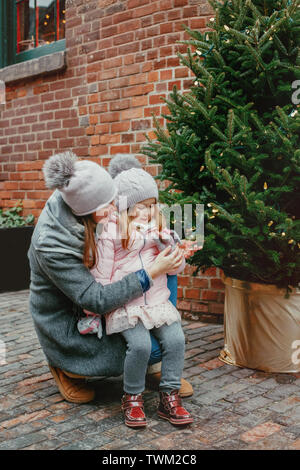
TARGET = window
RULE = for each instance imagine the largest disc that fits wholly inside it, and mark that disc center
(30, 29)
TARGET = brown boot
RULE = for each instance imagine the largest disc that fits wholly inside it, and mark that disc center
(73, 390)
(153, 381)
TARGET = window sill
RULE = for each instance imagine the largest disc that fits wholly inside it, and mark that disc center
(33, 68)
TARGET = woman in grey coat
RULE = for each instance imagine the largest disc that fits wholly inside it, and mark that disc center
(62, 250)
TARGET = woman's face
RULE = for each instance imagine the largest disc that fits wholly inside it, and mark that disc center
(102, 215)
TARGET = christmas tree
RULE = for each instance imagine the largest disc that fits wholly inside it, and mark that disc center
(232, 141)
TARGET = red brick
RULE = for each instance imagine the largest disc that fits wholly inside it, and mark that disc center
(166, 28)
(98, 150)
(101, 129)
(90, 130)
(197, 23)
(166, 74)
(123, 38)
(129, 69)
(129, 25)
(188, 12)
(133, 113)
(120, 149)
(146, 10)
(120, 104)
(217, 284)
(192, 293)
(110, 117)
(199, 282)
(95, 140)
(128, 49)
(180, 3)
(210, 272)
(139, 101)
(140, 124)
(184, 305)
(183, 280)
(127, 138)
(119, 82)
(153, 110)
(109, 139)
(120, 126)
(166, 51)
(11, 185)
(209, 295)
(165, 5)
(155, 99)
(41, 89)
(200, 307)
(182, 72)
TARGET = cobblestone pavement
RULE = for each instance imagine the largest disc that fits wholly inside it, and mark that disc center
(234, 408)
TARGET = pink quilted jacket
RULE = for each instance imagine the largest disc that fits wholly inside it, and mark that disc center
(115, 262)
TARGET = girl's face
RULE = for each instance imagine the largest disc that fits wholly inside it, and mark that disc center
(103, 214)
(144, 210)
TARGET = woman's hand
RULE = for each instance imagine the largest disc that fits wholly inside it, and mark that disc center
(166, 262)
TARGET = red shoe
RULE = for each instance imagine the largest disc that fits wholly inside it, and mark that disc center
(170, 408)
(132, 406)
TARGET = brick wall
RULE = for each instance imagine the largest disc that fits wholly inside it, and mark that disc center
(121, 60)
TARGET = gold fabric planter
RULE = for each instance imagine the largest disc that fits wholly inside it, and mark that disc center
(261, 327)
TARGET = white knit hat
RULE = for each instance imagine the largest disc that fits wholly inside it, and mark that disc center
(133, 183)
(84, 185)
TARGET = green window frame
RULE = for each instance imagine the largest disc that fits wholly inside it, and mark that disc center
(8, 38)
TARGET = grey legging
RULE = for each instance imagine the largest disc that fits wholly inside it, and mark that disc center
(171, 339)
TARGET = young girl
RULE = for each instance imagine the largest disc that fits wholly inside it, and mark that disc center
(131, 240)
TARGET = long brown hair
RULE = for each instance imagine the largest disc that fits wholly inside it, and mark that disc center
(90, 253)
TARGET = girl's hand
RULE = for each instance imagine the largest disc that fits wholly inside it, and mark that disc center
(189, 248)
(166, 262)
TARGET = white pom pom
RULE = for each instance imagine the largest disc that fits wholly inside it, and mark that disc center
(122, 162)
(58, 169)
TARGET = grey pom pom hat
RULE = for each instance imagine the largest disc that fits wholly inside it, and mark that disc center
(84, 185)
(133, 183)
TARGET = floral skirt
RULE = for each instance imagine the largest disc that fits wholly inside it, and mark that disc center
(151, 316)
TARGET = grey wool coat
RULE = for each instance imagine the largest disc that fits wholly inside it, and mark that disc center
(61, 286)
